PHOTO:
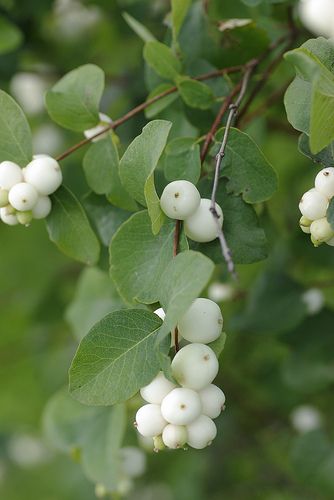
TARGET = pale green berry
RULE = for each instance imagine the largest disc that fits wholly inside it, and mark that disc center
(3, 198)
(24, 218)
(180, 199)
(202, 322)
(202, 226)
(174, 436)
(9, 219)
(305, 224)
(321, 230)
(195, 366)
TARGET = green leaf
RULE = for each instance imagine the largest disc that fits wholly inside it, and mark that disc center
(218, 345)
(330, 213)
(73, 102)
(322, 123)
(195, 94)
(182, 282)
(162, 103)
(10, 36)
(69, 229)
(179, 12)
(138, 28)
(101, 167)
(138, 258)
(162, 59)
(182, 160)
(15, 133)
(248, 171)
(95, 297)
(116, 358)
(297, 101)
(142, 156)
(153, 205)
(325, 157)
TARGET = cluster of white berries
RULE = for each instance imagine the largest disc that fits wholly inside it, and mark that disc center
(181, 200)
(182, 414)
(24, 192)
(313, 206)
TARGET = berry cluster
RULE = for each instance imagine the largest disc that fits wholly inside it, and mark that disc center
(313, 206)
(181, 200)
(24, 192)
(182, 414)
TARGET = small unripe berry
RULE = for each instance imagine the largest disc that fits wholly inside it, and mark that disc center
(202, 225)
(149, 420)
(42, 207)
(44, 174)
(201, 432)
(104, 121)
(174, 436)
(23, 196)
(10, 174)
(213, 400)
(321, 230)
(313, 204)
(181, 406)
(304, 224)
(156, 390)
(180, 199)
(324, 182)
(195, 366)
(203, 322)
(3, 197)
(133, 461)
(7, 218)
(24, 218)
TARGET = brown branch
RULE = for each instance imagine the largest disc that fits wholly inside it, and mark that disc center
(144, 105)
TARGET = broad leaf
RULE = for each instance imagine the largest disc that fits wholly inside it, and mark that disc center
(324, 157)
(15, 134)
(69, 229)
(182, 282)
(218, 345)
(10, 36)
(322, 124)
(195, 94)
(116, 358)
(153, 205)
(248, 171)
(162, 103)
(138, 258)
(297, 101)
(73, 102)
(179, 12)
(162, 60)
(138, 28)
(142, 156)
(182, 160)
(95, 297)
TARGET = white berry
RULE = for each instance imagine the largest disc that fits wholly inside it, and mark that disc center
(42, 207)
(324, 182)
(195, 366)
(23, 196)
(213, 400)
(156, 390)
(202, 225)
(174, 436)
(305, 224)
(201, 432)
(314, 300)
(318, 16)
(9, 219)
(313, 204)
(203, 322)
(321, 230)
(180, 199)
(104, 121)
(181, 406)
(44, 174)
(149, 420)
(10, 174)
(133, 461)
(160, 312)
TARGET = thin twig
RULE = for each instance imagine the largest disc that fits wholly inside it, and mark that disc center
(176, 241)
(144, 105)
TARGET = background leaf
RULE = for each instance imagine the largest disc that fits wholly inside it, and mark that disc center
(10, 36)
(182, 160)
(162, 60)
(195, 94)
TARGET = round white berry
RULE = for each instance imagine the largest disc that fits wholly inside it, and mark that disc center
(7, 218)
(195, 366)
(156, 390)
(42, 207)
(221, 292)
(23, 196)
(10, 174)
(149, 420)
(44, 174)
(174, 436)
(202, 225)
(180, 199)
(203, 322)
(104, 121)
(318, 16)
(313, 204)
(201, 432)
(314, 300)
(133, 461)
(321, 230)
(324, 182)
(24, 218)
(181, 406)
(160, 312)
(213, 400)
(306, 418)
(305, 224)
